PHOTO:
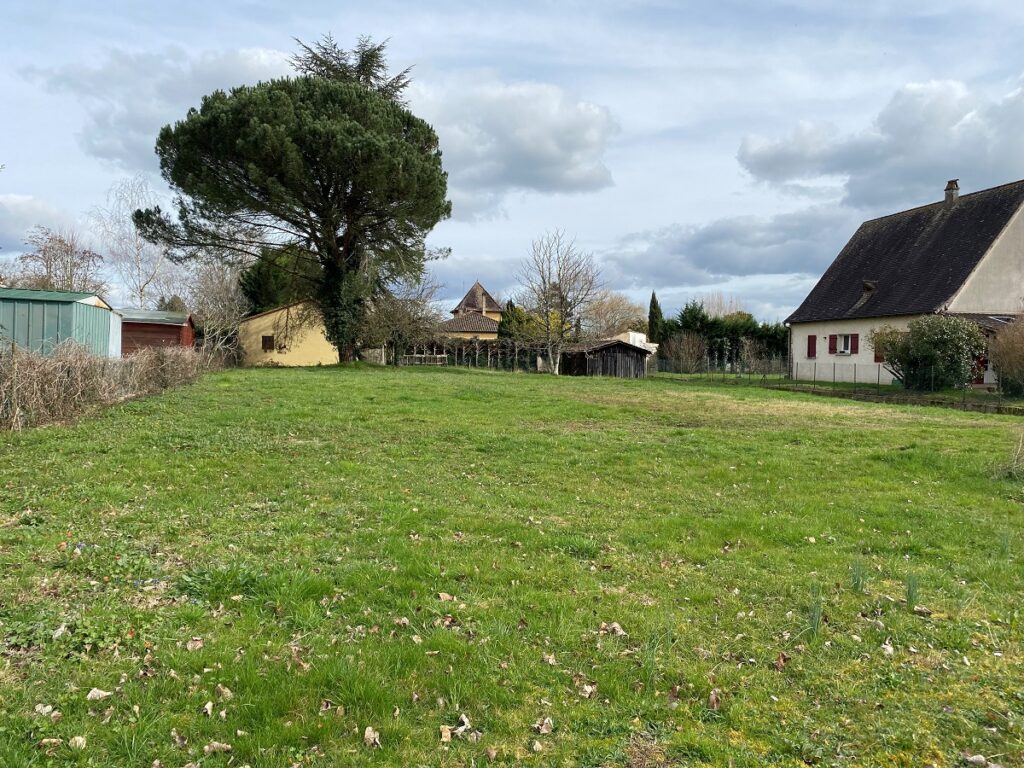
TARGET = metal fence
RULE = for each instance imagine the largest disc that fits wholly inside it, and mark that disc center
(860, 381)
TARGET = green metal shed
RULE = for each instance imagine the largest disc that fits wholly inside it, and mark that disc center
(40, 320)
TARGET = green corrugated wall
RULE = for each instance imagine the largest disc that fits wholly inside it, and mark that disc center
(39, 326)
(91, 327)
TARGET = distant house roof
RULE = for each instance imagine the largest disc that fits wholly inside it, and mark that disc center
(912, 262)
(987, 322)
(472, 322)
(33, 294)
(477, 299)
(155, 316)
(598, 345)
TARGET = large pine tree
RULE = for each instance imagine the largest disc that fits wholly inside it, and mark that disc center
(330, 162)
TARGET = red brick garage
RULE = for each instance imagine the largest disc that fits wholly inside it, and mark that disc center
(145, 328)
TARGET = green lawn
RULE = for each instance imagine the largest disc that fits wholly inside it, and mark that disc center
(278, 543)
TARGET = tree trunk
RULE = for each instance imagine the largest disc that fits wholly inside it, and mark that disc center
(554, 358)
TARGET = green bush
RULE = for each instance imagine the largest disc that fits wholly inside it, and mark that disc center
(935, 352)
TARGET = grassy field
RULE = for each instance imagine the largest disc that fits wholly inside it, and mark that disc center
(544, 571)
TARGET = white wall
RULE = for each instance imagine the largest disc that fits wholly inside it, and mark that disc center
(115, 334)
(860, 367)
(997, 284)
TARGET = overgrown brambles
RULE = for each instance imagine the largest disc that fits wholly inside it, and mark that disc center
(69, 383)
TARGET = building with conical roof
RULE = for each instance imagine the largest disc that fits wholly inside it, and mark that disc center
(475, 317)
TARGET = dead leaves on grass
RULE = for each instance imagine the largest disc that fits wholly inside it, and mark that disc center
(463, 730)
(714, 700)
(46, 710)
(544, 726)
(371, 737)
(614, 629)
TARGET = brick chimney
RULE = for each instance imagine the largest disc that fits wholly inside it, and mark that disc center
(952, 192)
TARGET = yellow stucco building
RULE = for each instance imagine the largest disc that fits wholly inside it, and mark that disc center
(291, 335)
(294, 335)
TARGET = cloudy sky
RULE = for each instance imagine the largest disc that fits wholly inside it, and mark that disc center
(693, 147)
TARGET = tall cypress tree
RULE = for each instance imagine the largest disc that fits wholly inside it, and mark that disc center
(655, 321)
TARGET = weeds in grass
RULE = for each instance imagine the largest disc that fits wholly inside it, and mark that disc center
(1004, 545)
(221, 583)
(815, 612)
(581, 547)
(1014, 468)
(859, 577)
(912, 585)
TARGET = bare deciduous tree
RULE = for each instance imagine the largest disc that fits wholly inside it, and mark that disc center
(1006, 351)
(215, 296)
(559, 282)
(144, 269)
(611, 313)
(687, 351)
(406, 314)
(60, 262)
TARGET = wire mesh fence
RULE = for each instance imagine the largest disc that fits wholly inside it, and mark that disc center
(861, 381)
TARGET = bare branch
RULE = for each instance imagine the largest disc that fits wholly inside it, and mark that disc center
(559, 283)
(144, 269)
(60, 262)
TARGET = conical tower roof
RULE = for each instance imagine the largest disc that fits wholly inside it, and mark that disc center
(477, 299)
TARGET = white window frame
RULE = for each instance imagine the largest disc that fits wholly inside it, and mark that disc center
(844, 343)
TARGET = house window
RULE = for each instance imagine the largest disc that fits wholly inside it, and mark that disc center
(268, 343)
(812, 346)
(843, 343)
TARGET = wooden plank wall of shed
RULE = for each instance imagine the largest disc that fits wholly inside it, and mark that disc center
(613, 361)
(617, 362)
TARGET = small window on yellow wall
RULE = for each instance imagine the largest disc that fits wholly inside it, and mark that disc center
(268, 343)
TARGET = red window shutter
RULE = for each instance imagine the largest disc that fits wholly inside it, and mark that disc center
(854, 343)
(812, 346)
(833, 344)
(879, 358)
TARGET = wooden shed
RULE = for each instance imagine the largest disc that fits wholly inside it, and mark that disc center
(39, 320)
(610, 357)
(145, 328)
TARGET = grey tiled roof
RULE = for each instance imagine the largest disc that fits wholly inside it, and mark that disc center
(471, 322)
(911, 262)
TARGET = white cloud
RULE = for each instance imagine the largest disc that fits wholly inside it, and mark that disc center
(927, 133)
(130, 95)
(501, 137)
(19, 214)
(799, 243)
(498, 137)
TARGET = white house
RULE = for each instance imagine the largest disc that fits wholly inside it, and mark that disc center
(963, 255)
